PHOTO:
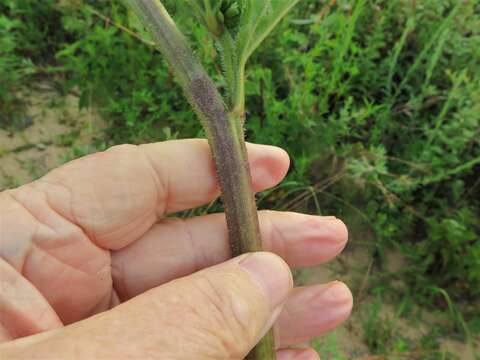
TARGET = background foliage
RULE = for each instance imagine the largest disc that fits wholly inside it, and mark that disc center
(376, 101)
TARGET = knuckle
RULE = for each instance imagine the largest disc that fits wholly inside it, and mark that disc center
(226, 315)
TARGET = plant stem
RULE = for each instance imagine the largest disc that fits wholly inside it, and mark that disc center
(234, 76)
(225, 135)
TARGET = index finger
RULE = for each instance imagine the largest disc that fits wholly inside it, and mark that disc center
(115, 196)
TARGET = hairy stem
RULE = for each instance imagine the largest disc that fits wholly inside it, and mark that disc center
(234, 75)
(225, 136)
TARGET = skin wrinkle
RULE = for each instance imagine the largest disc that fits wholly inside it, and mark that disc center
(35, 243)
(162, 198)
(73, 219)
(275, 234)
(199, 255)
(165, 187)
(70, 216)
(197, 311)
(52, 208)
(52, 244)
(118, 278)
(243, 325)
(161, 187)
(225, 311)
(6, 246)
(55, 183)
(28, 250)
(72, 239)
(19, 281)
(218, 315)
(236, 307)
(182, 309)
(216, 300)
(94, 234)
(24, 259)
(58, 183)
(64, 268)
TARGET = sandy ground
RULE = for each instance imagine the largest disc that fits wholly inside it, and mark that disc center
(57, 126)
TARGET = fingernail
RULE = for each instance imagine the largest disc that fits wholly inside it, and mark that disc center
(271, 274)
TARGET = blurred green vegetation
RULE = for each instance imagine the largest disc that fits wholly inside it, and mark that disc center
(377, 102)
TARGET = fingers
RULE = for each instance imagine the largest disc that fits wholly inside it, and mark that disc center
(23, 310)
(176, 248)
(54, 255)
(115, 196)
(297, 354)
(218, 313)
(312, 311)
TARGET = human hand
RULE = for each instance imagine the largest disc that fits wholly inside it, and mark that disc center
(89, 246)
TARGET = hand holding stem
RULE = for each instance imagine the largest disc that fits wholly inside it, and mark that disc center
(238, 27)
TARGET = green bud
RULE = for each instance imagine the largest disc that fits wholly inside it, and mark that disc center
(232, 11)
(217, 15)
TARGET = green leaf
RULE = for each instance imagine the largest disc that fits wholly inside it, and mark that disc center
(258, 20)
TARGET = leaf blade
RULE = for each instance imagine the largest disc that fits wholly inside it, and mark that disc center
(252, 34)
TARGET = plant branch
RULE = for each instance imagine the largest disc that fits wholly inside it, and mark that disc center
(225, 135)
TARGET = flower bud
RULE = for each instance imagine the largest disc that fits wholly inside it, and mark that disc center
(217, 15)
(231, 10)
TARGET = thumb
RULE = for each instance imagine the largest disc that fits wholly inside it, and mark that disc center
(217, 313)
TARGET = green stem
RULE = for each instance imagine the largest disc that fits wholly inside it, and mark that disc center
(229, 64)
(234, 75)
(265, 349)
(225, 135)
(238, 106)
